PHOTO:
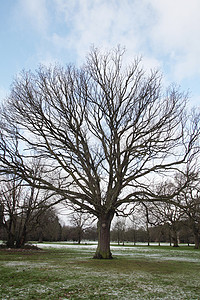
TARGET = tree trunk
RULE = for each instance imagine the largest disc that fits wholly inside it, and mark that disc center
(10, 228)
(40, 237)
(134, 237)
(147, 229)
(170, 239)
(103, 248)
(10, 240)
(22, 238)
(196, 240)
(80, 232)
(175, 238)
(118, 237)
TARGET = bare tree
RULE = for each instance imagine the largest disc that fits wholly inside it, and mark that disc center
(119, 229)
(170, 214)
(189, 202)
(81, 221)
(104, 130)
(21, 205)
(192, 210)
(46, 225)
(135, 221)
(10, 200)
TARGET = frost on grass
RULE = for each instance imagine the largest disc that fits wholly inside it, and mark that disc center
(157, 254)
(138, 252)
(103, 285)
(72, 276)
(25, 264)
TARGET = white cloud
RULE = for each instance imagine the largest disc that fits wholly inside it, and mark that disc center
(33, 12)
(176, 32)
(164, 32)
(104, 24)
(178, 21)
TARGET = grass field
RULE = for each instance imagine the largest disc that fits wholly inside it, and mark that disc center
(69, 272)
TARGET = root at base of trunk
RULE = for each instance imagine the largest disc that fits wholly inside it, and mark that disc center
(100, 256)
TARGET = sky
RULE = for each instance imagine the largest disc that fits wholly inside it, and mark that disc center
(166, 33)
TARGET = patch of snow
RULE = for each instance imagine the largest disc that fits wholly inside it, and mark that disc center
(69, 246)
(147, 252)
(16, 263)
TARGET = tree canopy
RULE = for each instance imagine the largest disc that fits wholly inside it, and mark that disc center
(104, 132)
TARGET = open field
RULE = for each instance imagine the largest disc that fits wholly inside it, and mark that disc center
(69, 272)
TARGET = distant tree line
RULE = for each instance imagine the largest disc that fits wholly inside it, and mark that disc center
(158, 234)
(26, 214)
(47, 227)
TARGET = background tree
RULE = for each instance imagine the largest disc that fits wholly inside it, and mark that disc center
(171, 215)
(135, 222)
(47, 226)
(65, 233)
(11, 206)
(20, 206)
(118, 230)
(103, 132)
(146, 217)
(159, 233)
(91, 233)
(189, 202)
(81, 221)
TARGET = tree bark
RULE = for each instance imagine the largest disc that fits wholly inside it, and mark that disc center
(80, 233)
(196, 240)
(148, 234)
(170, 237)
(10, 228)
(103, 248)
(175, 239)
(22, 238)
(10, 240)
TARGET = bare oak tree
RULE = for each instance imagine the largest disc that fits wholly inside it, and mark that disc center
(103, 132)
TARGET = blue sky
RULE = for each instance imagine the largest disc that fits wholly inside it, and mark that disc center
(165, 32)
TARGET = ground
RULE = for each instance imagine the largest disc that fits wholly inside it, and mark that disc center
(69, 272)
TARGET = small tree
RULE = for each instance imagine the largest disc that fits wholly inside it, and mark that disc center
(135, 221)
(102, 131)
(20, 206)
(162, 214)
(46, 226)
(189, 201)
(119, 229)
(81, 221)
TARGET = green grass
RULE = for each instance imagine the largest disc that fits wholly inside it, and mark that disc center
(135, 273)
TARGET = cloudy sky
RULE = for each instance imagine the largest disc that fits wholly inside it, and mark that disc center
(165, 32)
